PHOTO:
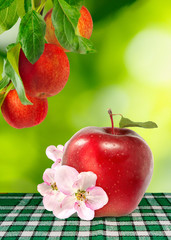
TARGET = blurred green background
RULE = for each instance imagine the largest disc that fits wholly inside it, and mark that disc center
(130, 73)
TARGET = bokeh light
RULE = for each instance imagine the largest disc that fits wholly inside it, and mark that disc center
(148, 56)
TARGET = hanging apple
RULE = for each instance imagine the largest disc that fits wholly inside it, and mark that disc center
(18, 115)
(48, 76)
(84, 27)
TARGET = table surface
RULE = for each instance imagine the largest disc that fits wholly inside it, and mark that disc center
(22, 216)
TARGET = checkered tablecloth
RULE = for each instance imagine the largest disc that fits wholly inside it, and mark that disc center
(22, 216)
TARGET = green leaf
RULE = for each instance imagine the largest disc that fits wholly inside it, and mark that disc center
(85, 46)
(16, 80)
(37, 3)
(4, 82)
(10, 46)
(20, 8)
(13, 55)
(4, 92)
(11, 72)
(76, 3)
(31, 35)
(65, 19)
(125, 122)
(8, 16)
(5, 4)
(2, 97)
(1, 64)
(27, 5)
(13, 58)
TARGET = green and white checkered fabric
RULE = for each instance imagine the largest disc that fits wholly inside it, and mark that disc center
(22, 216)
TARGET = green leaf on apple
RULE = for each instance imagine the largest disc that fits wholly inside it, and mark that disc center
(4, 82)
(11, 72)
(65, 19)
(13, 51)
(1, 63)
(5, 4)
(8, 16)
(125, 122)
(16, 80)
(31, 35)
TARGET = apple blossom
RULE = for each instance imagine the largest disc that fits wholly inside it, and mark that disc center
(55, 154)
(82, 196)
(49, 190)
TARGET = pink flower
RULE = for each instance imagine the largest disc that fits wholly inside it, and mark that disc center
(56, 154)
(49, 190)
(82, 195)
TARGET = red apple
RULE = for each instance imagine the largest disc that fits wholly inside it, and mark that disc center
(22, 116)
(48, 75)
(122, 161)
(85, 26)
(85, 23)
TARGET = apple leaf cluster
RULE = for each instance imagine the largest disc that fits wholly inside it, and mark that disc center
(31, 36)
(65, 19)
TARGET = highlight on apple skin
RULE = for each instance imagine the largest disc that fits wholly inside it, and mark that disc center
(85, 26)
(122, 161)
(18, 115)
(48, 76)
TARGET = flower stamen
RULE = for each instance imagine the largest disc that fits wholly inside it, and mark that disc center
(80, 195)
(54, 186)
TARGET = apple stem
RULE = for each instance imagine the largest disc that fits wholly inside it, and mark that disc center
(111, 118)
(40, 8)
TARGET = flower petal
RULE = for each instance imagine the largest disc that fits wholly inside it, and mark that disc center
(83, 211)
(65, 177)
(49, 175)
(54, 153)
(85, 180)
(57, 163)
(61, 196)
(44, 189)
(50, 201)
(60, 148)
(96, 198)
(66, 208)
